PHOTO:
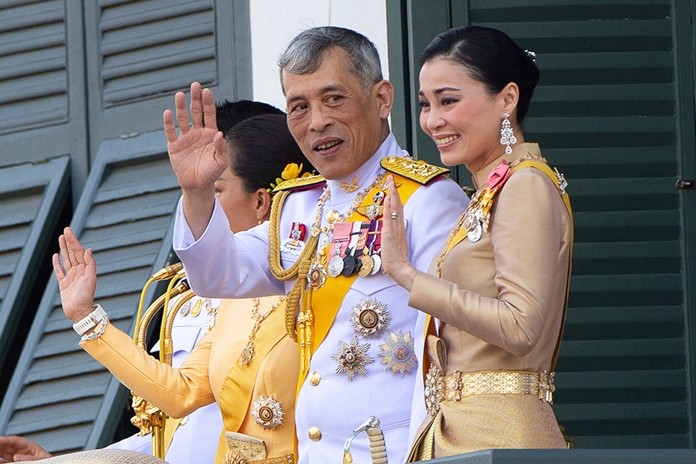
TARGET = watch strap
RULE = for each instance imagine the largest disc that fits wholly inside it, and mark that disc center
(90, 321)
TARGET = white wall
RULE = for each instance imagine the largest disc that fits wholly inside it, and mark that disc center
(275, 22)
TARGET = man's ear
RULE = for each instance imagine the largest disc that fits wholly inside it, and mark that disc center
(384, 92)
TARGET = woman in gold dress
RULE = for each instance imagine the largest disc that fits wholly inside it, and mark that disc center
(497, 293)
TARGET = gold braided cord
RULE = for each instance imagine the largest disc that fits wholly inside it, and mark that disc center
(299, 269)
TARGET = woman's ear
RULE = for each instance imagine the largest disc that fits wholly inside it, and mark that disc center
(510, 96)
(263, 204)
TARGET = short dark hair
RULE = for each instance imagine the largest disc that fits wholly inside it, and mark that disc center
(306, 51)
(232, 113)
(491, 57)
(262, 147)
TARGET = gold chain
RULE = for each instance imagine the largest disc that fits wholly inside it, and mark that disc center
(248, 352)
(452, 233)
(300, 267)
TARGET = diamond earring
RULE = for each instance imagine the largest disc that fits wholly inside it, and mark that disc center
(507, 137)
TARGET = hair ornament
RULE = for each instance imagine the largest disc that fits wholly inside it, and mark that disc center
(531, 55)
(291, 171)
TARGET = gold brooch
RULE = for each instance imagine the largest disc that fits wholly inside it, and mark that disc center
(267, 412)
(398, 353)
(352, 358)
(370, 317)
(434, 386)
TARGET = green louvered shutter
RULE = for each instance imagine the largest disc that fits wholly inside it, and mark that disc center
(41, 73)
(140, 53)
(606, 113)
(32, 201)
(60, 396)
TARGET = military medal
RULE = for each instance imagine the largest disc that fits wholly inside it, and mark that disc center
(332, 216)
(352, 358)
(398, 353)
(472, 223)
(367, 264)
(267, 412)
(335, 266)
(370, 317)
(185, 309)
(197, 306)
(316, 274)
(373, 210)
(378, 197)
(350, 264)
(341, 235)
(377, 259)
(295, 242)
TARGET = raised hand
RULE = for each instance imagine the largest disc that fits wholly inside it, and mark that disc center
(14, 449)
(198, 154)
(394, 252)
(76, 272)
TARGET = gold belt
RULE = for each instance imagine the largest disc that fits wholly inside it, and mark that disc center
(457, 385)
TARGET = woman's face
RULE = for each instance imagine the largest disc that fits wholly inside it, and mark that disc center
(460, 115)
(239, 206)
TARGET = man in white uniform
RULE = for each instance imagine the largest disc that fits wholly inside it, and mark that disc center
(355, 328)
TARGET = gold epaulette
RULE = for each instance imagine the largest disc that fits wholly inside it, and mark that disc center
(300, 182)
(418, 170)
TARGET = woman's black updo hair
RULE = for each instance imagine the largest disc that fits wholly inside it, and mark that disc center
(262, 147)
(491, 57)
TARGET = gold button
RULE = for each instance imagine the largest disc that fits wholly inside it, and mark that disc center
(314, 433)
(315, 378)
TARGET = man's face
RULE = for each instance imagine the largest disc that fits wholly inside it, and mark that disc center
(337, 123)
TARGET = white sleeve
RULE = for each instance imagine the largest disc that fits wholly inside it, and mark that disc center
(221, 264)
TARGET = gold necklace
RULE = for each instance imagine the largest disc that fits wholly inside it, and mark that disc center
(248, 352)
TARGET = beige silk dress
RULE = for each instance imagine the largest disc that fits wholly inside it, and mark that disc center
(213, 372)
(500, 305)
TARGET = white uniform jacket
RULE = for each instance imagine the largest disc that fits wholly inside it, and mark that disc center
(222, 264)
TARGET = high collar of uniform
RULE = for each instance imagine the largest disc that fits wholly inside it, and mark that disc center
(365, 175)
(479, 177)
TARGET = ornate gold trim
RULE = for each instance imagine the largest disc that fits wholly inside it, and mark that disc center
(418, 170)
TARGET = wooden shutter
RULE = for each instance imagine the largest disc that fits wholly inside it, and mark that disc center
(141, 53)
(41, 78)
(32, 200)
(606, 113)
(59, 395)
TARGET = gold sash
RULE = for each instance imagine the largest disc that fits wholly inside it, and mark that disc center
(462, 233)
(326, 300)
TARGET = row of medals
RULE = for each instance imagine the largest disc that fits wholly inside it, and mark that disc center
(364, 262)
(370, 318)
